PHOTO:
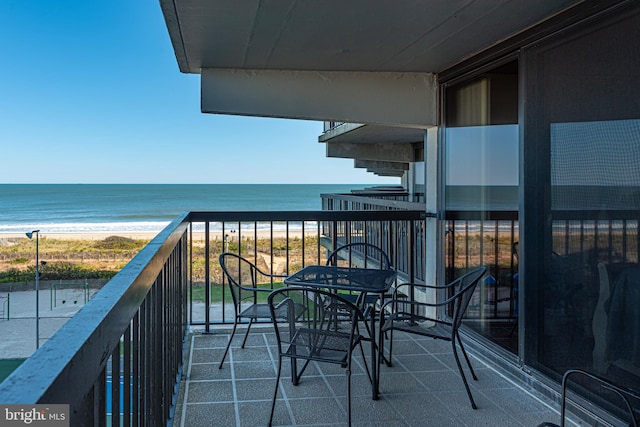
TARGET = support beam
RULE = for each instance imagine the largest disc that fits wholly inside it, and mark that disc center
(380, 152)
(434, 227)
(387, 98)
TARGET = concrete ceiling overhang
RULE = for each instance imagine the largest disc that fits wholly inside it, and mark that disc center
(391, 99)
(337, 35)
(355, 135)
(358, 61)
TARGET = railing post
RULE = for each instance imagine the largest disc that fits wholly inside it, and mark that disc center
(190, 271)
(207, 277)
(410, 252)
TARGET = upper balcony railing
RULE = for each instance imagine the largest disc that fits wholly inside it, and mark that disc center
(122, 352)
(378, 200)
(330, 125)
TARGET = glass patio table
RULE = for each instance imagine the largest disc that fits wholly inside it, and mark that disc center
(364, 280)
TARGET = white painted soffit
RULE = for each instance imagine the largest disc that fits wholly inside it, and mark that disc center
(384, 98)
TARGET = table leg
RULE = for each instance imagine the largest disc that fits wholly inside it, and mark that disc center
(374, 355)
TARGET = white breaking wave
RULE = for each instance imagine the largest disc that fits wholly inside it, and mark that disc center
(141, 227)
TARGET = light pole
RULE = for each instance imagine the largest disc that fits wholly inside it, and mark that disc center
(30, 235)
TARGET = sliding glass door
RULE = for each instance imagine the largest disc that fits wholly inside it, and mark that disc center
(481, 196)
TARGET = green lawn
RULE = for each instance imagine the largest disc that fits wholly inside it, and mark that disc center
(216, 292)
(7, 366)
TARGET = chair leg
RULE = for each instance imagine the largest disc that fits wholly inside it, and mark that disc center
(294, 370)
(226, 350)
(295, 375)
(464, 378)
(246, 334)
(275, 392)
(473, 374)
(349, 396)
(380, 350)
(364, 360)
(381, 337)
(390, 359)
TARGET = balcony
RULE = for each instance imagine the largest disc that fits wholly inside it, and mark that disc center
(422, 388)
(147, 328)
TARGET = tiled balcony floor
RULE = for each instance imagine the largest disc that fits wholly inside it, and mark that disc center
(423, 388)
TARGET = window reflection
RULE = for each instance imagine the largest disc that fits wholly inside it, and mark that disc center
(481, 197)
(592, 291)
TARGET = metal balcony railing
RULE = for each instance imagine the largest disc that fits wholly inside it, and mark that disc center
(326, 126)
(473, 238)
(488, 238)
(119, 359)
(284, 242)
(122, 353)
(369, 200)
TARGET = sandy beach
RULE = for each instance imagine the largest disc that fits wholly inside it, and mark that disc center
(83, 236)
(199, 235)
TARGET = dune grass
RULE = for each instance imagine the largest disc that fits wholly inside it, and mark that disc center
(66, 259)
(71, 259)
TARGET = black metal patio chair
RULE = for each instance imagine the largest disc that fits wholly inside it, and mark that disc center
(303, 319)
(364, 255)
(625, 395)
(243, 278)
(414, 317)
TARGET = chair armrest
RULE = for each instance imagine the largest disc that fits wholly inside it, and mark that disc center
(268, 274)
(449, 300)
(404, 302)
(416, 285)
(252, 289)
(419, 285)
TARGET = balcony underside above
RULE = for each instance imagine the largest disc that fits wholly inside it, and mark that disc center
(391, 99)
(382, 168)
(337, 35)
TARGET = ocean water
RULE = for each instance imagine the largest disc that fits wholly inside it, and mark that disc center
(81, 208)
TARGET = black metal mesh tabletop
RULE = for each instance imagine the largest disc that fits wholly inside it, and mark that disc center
(345, 278)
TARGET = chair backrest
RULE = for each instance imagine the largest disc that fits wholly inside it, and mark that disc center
(366, 253)
(625, 395)
(464, 287)
(315, 311)
(239, 272)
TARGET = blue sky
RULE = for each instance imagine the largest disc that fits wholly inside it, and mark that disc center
(90, 92)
